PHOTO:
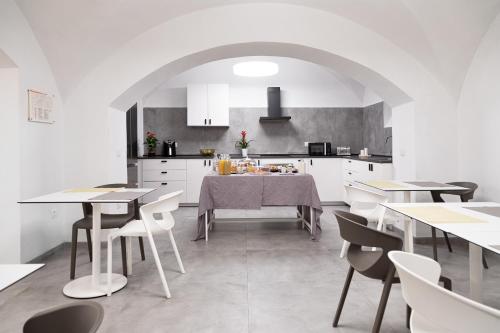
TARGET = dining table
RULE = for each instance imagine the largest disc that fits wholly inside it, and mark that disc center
(13, 273)
(93, 285)
(250, 191)
(476, 222)
(407, 187)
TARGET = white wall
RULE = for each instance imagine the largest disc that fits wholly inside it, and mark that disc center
(303, 84)
(274, 29)
(479, 118)
(10, 236)
(41, 146)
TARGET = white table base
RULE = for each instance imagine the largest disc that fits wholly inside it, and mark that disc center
(475, 271)
(84, 287)
(94, 285)
(408, 226)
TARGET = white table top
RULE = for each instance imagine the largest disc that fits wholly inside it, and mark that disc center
(406, 186)
(10, 274)
(485, 234)
(80, 196)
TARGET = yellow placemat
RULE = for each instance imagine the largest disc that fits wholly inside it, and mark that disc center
(382, 184)
(92, 189)
(433, 214)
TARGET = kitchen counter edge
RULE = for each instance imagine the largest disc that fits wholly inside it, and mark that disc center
(371, 159)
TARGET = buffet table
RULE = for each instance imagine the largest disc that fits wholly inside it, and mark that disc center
(253, 191)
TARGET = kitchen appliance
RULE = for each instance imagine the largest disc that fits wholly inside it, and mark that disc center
(169, 148)
(320, 148)
(344, 151)
(274, 111)
(207, 151)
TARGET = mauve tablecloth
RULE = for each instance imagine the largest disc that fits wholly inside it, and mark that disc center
(254, 191)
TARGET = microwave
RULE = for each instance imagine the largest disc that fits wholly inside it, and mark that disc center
(320, 148)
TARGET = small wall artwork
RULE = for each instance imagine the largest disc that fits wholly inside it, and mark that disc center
(40, 107)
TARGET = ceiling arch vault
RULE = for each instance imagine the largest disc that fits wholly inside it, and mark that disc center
(277, 29)
(387, 90)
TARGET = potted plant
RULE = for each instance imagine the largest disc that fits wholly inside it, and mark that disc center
(151, 141)
(243, 143)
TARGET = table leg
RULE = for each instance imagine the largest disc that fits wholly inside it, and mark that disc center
(475, 271)
(312, 220)
(408, 227)
(96, 244)
(206, 227)
(129, 255)
(94, 285)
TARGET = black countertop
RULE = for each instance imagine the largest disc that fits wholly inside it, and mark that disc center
(371, 159)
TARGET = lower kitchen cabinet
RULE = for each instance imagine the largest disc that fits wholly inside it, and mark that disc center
(196, 170)
(164, 188)
(354, 170)
(330, 175)
(327, 174)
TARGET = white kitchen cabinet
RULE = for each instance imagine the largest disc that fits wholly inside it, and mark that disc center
(208, 105)
(218, 104)
(327, 174)
(354, 170)
(196, 170)
(167, 175)
(164, 188)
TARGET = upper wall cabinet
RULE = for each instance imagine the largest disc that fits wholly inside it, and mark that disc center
(208, 105)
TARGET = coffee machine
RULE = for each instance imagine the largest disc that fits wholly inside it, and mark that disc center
(169, 148)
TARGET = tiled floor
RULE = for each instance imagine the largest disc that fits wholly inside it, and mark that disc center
(257, 277)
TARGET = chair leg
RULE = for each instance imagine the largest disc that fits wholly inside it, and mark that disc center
(434, 244)
(110, 264)
(124, 255)
(485, 264)
(176, 251)
(408, 316)
(343, 296)
(74, 243)
(383, 299)
(89, 243)
(158, 265)
(345, 247)
(141, 248)
(447, 241)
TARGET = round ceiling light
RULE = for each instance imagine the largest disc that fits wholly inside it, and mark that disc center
(255, 68)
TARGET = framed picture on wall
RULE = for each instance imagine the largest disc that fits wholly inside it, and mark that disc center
(40, 107)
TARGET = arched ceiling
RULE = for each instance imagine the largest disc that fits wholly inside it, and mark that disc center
(78, 35)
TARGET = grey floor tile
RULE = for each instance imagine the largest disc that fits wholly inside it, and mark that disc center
(253, 277)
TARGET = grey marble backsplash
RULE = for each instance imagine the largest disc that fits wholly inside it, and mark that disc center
(354, 127)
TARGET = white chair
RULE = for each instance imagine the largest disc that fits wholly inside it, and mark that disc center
(435, 309)
(147, 227)
(367, 204)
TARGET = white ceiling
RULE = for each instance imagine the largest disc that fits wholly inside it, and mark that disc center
(77, 35)
(300, 74)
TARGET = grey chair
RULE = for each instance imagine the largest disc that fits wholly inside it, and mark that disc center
(465, 196)
(77, 317)
(372, 264)
(108, 221)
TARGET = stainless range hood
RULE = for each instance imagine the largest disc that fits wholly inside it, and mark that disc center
(274, 112)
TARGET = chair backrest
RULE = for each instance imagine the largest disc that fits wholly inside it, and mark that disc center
(163, 206)
(446, 310)
(465, 195)
(87, 207)
(354, 230)
(361, 198)
(77, 317)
